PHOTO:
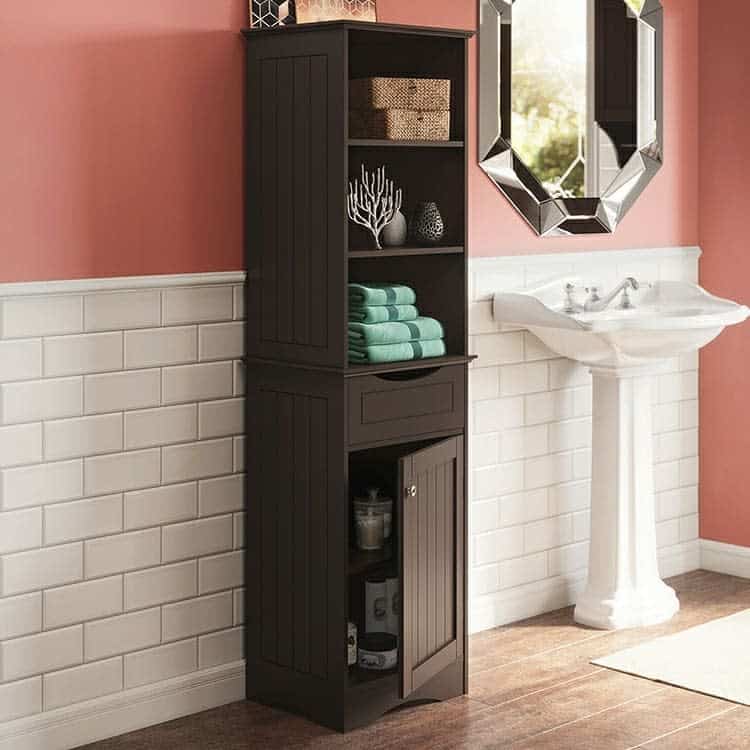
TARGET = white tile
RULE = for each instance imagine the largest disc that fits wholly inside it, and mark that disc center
(40, 569)
(485, 450)
(666, 476)
(160, 663)
(167, 583)
(121, 471)
(499, 414)
(689, 414)
(175, 502)
(239, 524)
(20, 615)
(548, 470)
(221, 648)
(548, 407)
(83, 683)
(197, 382)
(40, 484)
(197, 460)
(498, 480)
(523, 507)
(82, 436)
(689, 469)
(240, 453)
(221, 341)
(219, 418)
(168, 424)
(239, 386)
(197, 304)
(484, 383)
(689, 385)
(484, 580)
(582, 464)
(666, 417)
(497, 349)
(161, 346)
(582, 526)
(196, 616)
(120, 634)
(221, 572)
(116, 311)
(123, 552)
(41, 316)
(121, 390)
(548, 533)
(481, 319)
(221, 495)
(564, 436)
(43, 652)
(487, 283)
(498, 545)
(583, 402)
(196, 538)
(20, 530)
(81, 519)
(535, 350)
(41, 399)
(523, 570)
(565, 560)
(668, 533)
(484, 516)
(239, 302)
(523, 443)
(20, 445)
(239, 606)
(689, 528)
(77, 355)
(20, 360)
(517, 380)
(564, 373)
(19, 699)
(570, 497)
(690, 361)
(79, 602)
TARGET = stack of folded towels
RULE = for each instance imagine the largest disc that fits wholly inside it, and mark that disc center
(385, 325)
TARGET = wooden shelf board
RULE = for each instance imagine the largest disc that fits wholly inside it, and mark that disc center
(396, 252)
(354, 370)
(385, 143)
(360, 561)
(363, 677)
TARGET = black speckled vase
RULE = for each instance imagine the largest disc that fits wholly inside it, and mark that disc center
(426, 226)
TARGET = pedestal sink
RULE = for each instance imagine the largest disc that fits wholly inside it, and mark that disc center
(624, 348)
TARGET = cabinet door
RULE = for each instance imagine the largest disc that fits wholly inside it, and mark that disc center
(432, 528)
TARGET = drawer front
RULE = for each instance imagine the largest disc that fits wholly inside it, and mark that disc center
(417, 403)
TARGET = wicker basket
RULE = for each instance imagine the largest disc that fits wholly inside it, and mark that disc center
(425, 94)
(400, 124)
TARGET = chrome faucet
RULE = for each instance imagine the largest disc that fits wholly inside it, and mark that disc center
(595, 303)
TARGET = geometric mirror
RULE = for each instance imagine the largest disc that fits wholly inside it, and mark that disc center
(571, 107)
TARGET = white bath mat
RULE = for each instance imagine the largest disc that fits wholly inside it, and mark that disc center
(713, 659)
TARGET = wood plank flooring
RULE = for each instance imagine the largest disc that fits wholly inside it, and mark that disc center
(531, 687)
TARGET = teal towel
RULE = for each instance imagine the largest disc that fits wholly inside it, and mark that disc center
(380, 294)
(383, 313)
(374, 334)
(396, 352)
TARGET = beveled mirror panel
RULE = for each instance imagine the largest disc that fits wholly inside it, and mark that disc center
(571, 107)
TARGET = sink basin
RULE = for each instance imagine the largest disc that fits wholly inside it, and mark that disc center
(623, 348)
(670, 318)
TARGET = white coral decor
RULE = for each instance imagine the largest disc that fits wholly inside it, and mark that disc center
(373, 202)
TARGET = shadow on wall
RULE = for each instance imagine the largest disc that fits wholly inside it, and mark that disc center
(122, 155)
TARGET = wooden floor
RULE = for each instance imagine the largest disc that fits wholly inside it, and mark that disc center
(531, 686)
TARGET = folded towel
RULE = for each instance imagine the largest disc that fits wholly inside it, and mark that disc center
(382, 313)
(396, 352)
(374, 334)
(381, 294)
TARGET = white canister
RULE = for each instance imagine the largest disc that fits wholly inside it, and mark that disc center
(394, 605)
(351, 644)
(376, 606)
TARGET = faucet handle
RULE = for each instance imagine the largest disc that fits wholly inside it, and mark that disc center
(571, 306)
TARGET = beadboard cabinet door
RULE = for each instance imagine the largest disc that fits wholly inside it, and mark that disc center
(432, 533)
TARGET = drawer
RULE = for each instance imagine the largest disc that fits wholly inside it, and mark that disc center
(408, 404)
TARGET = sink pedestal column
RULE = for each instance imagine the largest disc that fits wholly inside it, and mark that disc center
(623, 588)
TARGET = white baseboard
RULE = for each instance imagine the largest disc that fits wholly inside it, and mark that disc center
(109, 716)
(725, 558)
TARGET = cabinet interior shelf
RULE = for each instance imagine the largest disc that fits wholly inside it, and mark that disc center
(362, 562)
(396, 252)
(354, 370)
(383, 142)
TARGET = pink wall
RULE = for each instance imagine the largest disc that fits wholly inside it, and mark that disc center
(725, 268)
(121, 139)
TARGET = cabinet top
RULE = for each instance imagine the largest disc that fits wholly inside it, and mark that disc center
(393, 28)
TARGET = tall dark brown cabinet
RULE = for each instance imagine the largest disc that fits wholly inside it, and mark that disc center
(320, 429)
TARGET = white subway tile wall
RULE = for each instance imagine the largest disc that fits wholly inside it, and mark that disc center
(121, 492)
(530, 453)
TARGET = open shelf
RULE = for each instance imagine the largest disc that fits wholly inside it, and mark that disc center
(396, 252)
(363, 562)
(387, 143)
(354, 370)
(362, 677)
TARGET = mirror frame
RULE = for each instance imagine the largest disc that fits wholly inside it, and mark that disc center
(549, 216)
